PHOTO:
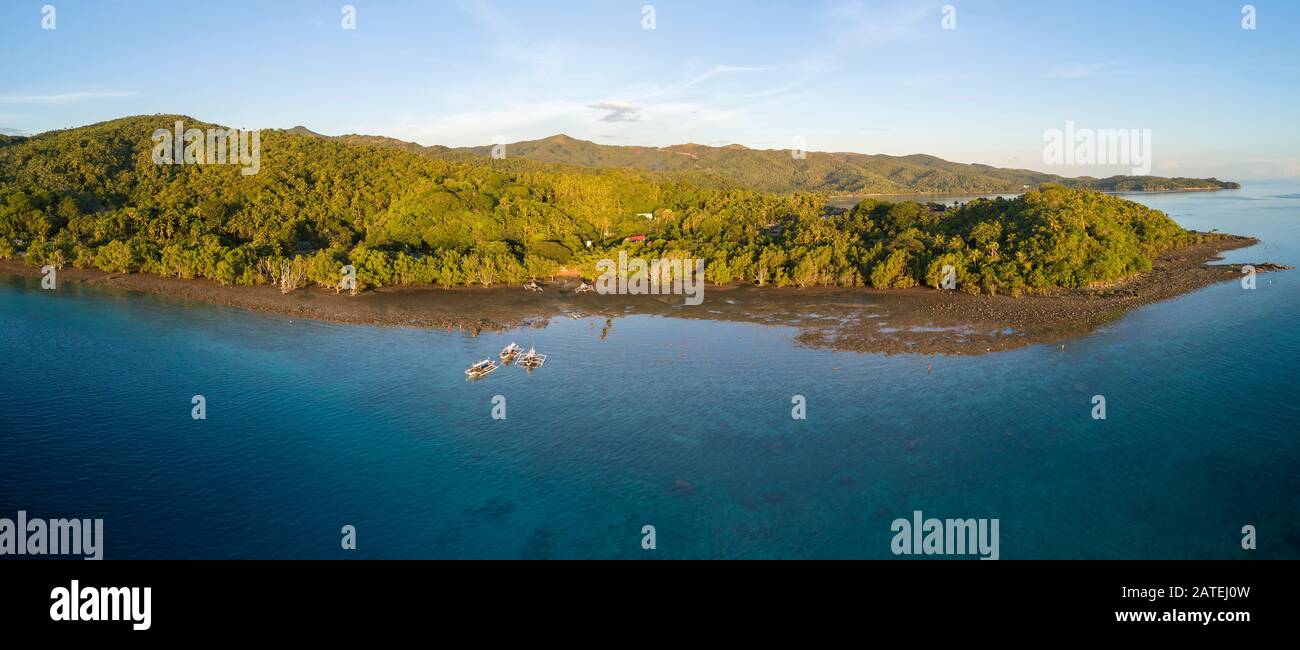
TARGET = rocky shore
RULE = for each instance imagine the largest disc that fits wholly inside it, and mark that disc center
(921, 320)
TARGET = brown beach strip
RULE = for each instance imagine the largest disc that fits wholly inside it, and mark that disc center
(920, 320)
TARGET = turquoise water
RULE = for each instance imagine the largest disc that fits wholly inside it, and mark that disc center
(684, 425)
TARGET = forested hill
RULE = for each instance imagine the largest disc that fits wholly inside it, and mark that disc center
(775, 170)
(94, 197)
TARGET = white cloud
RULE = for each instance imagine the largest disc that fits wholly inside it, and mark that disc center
(477, 127)
(618, 111)
(66, 98)
(657, 124)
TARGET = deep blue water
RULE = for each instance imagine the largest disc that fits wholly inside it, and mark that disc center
(684, 425)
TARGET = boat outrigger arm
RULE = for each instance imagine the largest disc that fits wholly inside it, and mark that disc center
(531, 359)
(510, 352)
(481, 368)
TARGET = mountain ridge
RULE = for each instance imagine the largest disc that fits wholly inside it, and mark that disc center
(837, 173)
(99, 196)
(776, 170)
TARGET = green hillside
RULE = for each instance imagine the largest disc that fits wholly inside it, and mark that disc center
(776, 170)
(93, 197)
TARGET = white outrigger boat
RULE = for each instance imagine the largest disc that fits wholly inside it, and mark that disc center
(509, 352)
(530, 360)
(481, 369)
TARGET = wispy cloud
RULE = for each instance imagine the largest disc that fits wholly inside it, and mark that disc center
(698, 83)
(66, 98)
(475, 127)
(542, 60)
(618, 111)
(721, 69)
(669, 121)
(759, 94)
(859, 25)
(1081, 70)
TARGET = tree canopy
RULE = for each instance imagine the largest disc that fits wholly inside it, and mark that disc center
(93, 197)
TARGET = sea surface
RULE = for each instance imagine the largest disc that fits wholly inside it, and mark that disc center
(684, 425)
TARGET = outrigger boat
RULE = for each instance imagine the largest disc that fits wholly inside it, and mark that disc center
(530, 360)
(509, 352)
(481, 369)
(585, 288)
(533, 286)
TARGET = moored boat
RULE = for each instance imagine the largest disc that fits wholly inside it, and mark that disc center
(509, 352)
(531, 360)
(481, 369)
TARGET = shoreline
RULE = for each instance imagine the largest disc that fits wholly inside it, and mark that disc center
(844, 197)
(892, 321)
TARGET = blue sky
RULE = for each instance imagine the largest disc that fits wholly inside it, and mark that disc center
(874, 76)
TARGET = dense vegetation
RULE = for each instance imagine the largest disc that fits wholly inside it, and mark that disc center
(1152, 184)
(775, 170)
(93, 197)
